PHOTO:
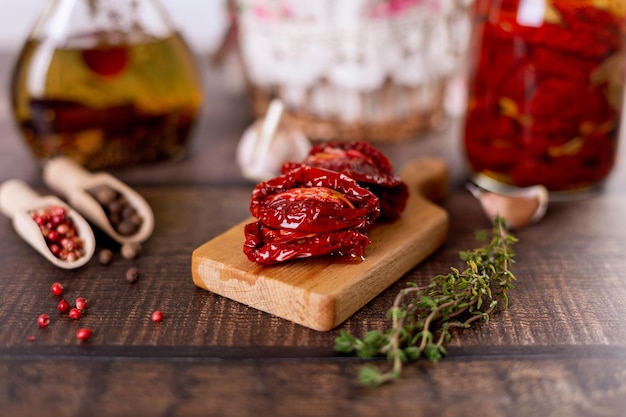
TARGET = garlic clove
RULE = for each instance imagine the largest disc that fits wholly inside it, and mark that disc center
(268, 143)
(519, 207)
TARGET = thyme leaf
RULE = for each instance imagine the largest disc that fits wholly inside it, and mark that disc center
(422, 317)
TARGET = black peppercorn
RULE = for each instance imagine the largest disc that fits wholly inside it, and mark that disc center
(105, 256)
(122, 216)
(130, 250)
(132, 275)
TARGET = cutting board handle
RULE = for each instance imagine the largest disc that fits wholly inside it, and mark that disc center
(428, 176)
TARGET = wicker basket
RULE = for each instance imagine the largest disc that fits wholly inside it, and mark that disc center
(355, 69)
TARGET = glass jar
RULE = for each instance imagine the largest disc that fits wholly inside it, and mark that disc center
(375, 70)
(545, 93)
(106, 83)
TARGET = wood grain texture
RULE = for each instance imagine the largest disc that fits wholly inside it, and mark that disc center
(492, 387)
(571, 287)
(321, 293)
(557, 351)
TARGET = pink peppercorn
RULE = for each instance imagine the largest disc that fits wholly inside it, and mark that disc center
(63, 306)
(60, 232)
(81, 303)
(57, 288)
(157, 316)
(75, 314)
(43, 320)
(84, 334)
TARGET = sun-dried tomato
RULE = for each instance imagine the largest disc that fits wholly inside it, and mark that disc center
(313, 200)
(268, 246)
(544, 103)
(306, 212)
(367, 165)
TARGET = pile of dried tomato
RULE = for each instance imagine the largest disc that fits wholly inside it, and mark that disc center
(543, 106)
(368, 166)
(324, 205)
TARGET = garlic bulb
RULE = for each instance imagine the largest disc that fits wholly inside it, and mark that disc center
(268, 143)
(519, 207)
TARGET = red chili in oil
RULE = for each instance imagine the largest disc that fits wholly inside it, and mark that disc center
(545, 92)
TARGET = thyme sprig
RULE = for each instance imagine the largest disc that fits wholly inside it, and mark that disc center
(422, 317)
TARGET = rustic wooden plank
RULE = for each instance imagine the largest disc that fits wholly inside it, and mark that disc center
(586, 386)
(570, 290)
(320, 293)
(558, 350)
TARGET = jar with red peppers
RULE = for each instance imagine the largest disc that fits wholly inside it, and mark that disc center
(545, 93)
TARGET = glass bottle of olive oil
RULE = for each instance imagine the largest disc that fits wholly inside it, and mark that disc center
(106, 83)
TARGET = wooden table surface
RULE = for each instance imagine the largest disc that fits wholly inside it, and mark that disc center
(560, 349)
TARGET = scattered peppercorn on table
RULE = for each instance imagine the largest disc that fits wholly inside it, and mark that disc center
(148, 341)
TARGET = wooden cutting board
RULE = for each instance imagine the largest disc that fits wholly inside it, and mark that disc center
(320, 293)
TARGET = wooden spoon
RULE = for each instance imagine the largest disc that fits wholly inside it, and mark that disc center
(72, 181)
